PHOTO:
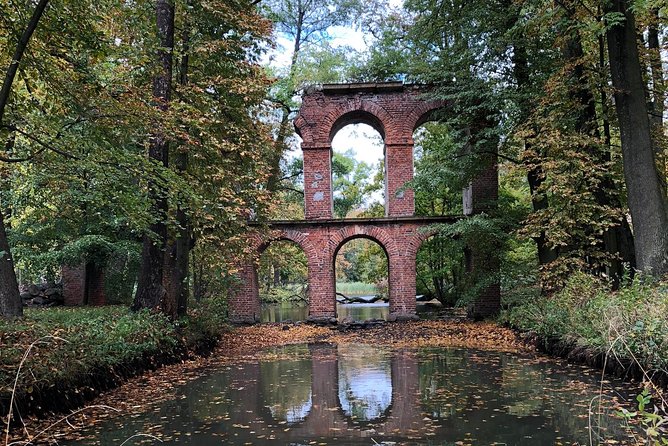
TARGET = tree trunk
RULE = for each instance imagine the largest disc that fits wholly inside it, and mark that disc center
(535, 176)
(178, 252)
(658, 97)
(150, 290)
(647, 201)
(10, 299)
(586, 124)
(11, 305)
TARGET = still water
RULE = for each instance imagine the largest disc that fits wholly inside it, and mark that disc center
(290, 311)
(364, 395)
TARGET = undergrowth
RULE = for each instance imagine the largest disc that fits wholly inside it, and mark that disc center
(630, 323)
(80, 342)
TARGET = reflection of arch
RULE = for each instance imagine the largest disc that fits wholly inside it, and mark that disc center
(326, 416)
(295, 369)
(375, 376)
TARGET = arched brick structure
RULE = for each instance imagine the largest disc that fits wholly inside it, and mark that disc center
(395, 110)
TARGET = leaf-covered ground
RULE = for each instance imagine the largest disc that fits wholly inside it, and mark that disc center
(451, 333)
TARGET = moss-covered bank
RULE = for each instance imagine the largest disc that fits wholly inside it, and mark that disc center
(76, 353)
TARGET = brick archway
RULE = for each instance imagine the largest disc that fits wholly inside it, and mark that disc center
(395, 110)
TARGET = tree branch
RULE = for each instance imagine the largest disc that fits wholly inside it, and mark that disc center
(300, 192)
(18, 55)
(44, 144)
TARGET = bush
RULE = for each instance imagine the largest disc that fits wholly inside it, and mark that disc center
(78, 343)
(630, 322)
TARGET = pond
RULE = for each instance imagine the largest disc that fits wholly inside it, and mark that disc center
(357, 394)
(289, 311)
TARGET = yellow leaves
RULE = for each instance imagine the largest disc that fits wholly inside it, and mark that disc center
(455, 333)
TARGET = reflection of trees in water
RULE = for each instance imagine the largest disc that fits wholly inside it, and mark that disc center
(438, 370)
(286, 385)
(365, 381)
(563, 390)
(533, 394)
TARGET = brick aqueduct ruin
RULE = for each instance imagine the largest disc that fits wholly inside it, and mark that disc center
(395, 110)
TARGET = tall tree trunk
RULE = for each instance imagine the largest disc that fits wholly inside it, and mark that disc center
(10, 299)
(658, 96)
(284, 127)
(586, 124)
(150, 290)
(177, 259)
(646, 197)
(535, 175)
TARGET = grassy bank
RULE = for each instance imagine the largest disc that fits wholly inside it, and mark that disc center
(77, 352)
(629, 327)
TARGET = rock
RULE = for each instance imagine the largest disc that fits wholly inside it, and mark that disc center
(285, 327)
(38, 300)
(392, 318)
(51, 291)
(33, 290)
(347, 320)
(26, 296)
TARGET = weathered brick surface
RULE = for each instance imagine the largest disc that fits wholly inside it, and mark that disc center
(82, 285)
(395, 111)
(318, 182)
(321, 242)
(74, 285)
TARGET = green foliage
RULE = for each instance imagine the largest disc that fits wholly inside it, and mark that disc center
(351, 183)
(653, 423)
(91, 339)
(440, 175)
(629, 322)
(441, 271)
(361, 260)
(282, 272)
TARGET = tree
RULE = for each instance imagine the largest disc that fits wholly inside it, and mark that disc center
(351, 185)
(647, 200)
(11, 305)
(306, 23)
(150, 290)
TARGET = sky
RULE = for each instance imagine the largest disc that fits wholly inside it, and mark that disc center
(365, 142)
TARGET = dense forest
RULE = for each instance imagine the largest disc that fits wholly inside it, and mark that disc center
(142, 137)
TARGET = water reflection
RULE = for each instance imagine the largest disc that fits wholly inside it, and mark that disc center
(289, 311)
(365, 381)
(350, 394)
(286, 385)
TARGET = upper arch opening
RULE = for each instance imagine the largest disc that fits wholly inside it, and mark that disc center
(357, 117)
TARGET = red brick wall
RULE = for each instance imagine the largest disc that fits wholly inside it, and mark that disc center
(74, 285)
(399, 171)
(244, 300)
(321, 243)
(83, 285)
(392, 109)
(318, 183)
